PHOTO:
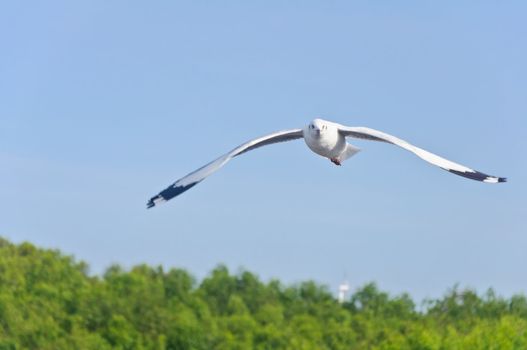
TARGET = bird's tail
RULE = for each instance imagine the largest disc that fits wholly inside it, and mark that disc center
(349, 152)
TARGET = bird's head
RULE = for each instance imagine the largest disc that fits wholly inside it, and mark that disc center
(317, 127)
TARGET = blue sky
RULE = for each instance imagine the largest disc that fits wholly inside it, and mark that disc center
(106, 103)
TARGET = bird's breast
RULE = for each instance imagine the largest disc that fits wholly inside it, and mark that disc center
(326, 145)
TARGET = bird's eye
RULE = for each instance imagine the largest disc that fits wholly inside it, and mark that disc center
(311, 126)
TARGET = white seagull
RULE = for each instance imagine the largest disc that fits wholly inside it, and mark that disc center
(327, 139)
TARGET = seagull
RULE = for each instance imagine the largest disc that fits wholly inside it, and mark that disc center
(327, 139)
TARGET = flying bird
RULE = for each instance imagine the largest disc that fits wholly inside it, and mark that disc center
(327, 139)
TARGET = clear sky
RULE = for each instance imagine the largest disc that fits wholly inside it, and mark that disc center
(105, 103)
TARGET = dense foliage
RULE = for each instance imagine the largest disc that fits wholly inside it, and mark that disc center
(48, 301)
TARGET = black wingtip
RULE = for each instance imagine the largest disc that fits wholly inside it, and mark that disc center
(478, 176)
(168, 193)
(152, 202)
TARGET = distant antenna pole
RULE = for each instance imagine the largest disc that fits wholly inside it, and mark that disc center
(343, 291)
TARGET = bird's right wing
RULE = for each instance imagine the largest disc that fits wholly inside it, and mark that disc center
(455, 168)
(200, 174)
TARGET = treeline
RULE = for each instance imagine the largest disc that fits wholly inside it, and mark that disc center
(49, 301)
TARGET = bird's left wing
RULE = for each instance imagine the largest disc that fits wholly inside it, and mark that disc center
(455, 168)
(197, 176)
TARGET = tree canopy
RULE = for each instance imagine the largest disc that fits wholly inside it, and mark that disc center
(49, 301)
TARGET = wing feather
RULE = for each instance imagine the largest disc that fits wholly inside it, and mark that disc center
(195, 177)
(455, 168)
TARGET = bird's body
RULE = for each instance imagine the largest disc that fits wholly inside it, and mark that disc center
(327, 139)
(324, 139)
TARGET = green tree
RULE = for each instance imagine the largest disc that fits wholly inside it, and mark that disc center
(49, 301)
